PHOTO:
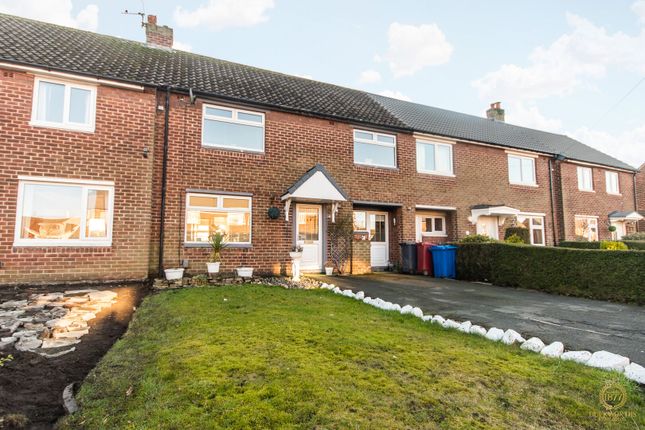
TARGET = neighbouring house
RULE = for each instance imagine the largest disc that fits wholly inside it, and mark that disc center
(120, 158)
(640, 196)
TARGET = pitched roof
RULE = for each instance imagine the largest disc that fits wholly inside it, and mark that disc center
(428, 119)
(35, 43)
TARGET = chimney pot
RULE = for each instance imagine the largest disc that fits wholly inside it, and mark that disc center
(159, 36)
(495, 112)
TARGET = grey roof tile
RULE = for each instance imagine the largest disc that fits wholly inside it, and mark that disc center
(60, 48)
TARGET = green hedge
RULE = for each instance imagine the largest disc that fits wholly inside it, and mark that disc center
(635, 244)
(522, 232)
(631, 244)
(579, 244)
(604, 275)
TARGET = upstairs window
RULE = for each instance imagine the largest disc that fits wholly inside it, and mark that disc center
(210, 213)
(585, 179)
(229, 128)
(435, 158)
(611, 179)
(521, 170)
(374, 149)
(63, 105)
(53, 212)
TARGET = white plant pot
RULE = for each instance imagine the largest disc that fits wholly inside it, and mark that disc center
(295, 255)
(213, 267)
(244, 272)
(329, 271)
(174, 274)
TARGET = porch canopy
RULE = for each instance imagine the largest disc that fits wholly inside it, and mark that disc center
(315, 186)
(500, 211)
(618, 216)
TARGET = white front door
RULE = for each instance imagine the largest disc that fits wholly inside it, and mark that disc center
(488, 226)
(308, 235)
(377, 223)
(620, 229)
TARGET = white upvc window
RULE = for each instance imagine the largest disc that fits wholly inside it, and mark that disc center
(535, 225)
(611, 179)
(586, 227)
(430, 225)
(230, 128)
(64, 105)
(374, 149)
(434, 158)
(521, 170)
(64, 212)
(585, 178)
(210, 213)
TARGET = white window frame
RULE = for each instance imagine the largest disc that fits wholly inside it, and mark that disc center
(542, 227)
(580, 175)
(609, 174)
(588, 218)
(233, 120)
(420, 234)
(82, 241)
(364, 229)
(377, 143)
(435, 145)
(533, 181)
(65, 125)
(219, 208)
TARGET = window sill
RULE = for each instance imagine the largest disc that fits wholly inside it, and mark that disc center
(615, 194)
(207, 245)
(232, 149)
(31, 244)
(517, 184)
(377, 166)
(433, 235)
(586, 191)
(429, 173)
(62, 127)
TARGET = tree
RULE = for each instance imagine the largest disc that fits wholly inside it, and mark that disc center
(340, 240)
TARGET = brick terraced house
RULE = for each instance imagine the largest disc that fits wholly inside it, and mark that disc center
(119, 157)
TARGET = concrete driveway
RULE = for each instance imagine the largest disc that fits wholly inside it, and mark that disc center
(578, 323)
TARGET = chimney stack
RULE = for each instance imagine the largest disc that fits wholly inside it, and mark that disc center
(495, 112)
(158, 36)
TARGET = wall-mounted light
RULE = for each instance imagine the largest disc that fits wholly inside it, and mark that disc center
(393, 221)
(146, 151)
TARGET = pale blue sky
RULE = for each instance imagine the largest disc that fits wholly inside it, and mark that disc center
(566, 62)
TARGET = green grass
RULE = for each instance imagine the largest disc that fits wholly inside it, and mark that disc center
(265, 357)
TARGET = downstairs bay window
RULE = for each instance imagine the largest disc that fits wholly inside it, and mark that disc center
(61, 212)
(586, 228)
(535, 225)
(210, 213)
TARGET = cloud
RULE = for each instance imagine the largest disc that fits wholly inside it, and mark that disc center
(519, 113)
(222, 14)
(628, 146)
(369, 77)
(639, 9)
(412, 48)
(395, 95)
(53, 11)
(574, 60)
(181, 46)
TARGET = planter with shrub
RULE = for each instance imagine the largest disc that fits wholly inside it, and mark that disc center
(217, 241)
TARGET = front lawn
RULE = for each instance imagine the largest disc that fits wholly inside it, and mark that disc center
(266, 357)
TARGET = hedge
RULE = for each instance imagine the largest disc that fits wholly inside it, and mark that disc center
(595, 274)
(631, 244)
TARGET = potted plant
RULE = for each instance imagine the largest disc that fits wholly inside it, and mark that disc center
(296, 252)
(174, 274)
(329, 268)
(217, 242)
(244, 271)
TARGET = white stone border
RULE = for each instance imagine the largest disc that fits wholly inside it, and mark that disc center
(600, 359)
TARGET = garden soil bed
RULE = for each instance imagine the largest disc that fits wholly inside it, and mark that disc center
(32, 385)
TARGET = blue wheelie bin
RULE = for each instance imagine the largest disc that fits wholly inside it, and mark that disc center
(444, 261)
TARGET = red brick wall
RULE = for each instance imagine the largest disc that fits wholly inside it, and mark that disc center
(294, 144)
(124, 126)
(597, 203)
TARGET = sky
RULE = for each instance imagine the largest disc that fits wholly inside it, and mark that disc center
(574, 67)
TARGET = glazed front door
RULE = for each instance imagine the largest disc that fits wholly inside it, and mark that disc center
(309, 236)
(377, 224)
